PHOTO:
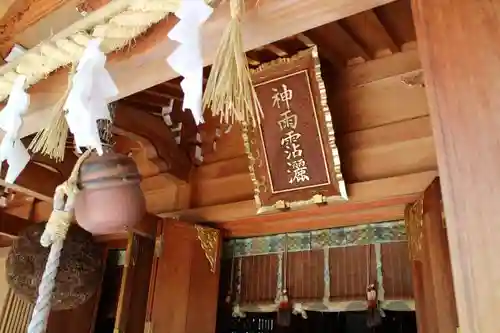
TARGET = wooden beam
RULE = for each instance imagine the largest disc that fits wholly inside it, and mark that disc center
(144, 65)
(36, 181)
(380, 211)
(11, 225)
(4, 7)
(153, 129)
(465, 104)
(21, 15)
(359, 193)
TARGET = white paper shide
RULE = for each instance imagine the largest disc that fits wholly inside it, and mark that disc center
(88, 99)
(187, 58)
(12, 149)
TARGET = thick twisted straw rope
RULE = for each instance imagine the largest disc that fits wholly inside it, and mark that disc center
(117, 24)
(53, 236)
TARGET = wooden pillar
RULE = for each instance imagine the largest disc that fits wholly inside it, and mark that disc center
(432, 277)
(438, 261)
(460, 53)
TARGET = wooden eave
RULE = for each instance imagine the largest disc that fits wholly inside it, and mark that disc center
(362, 55)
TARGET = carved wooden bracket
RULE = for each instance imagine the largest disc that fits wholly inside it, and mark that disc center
(145, 125)
(209, 239)
(414, 224)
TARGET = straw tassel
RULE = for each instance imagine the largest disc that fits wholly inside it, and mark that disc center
(229, 92)
(51, 140)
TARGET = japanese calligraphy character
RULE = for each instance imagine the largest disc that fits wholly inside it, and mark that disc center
(289, 138)
(284, 96)
(291, 145)
(298, 171)
(288, 120)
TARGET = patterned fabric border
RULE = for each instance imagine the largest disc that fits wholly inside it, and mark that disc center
(385, 232)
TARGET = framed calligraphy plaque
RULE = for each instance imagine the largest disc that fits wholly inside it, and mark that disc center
(293, 157)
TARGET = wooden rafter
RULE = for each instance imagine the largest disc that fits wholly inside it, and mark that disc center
(145, 63)
(366, 29)
(23, 14)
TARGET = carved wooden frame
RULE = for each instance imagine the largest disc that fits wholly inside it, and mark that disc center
(255, 146)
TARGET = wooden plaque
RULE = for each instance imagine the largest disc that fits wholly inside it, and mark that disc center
(293, 157)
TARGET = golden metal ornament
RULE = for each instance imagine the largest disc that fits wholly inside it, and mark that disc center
(209, 239)
(414, 218)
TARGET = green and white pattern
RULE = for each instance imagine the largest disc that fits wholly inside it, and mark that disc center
(375, 233)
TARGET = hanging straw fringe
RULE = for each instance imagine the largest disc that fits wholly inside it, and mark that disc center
(229, 92)
(51, 140)
(53, 236)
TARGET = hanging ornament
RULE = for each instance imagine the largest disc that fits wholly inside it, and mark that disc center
(12, 149)
(187, 59)
(87, 101)
(237, 311)
(298, 310)
(284, 317)
(110, 199)
(80, 267)
(229, 92)
(374, 318)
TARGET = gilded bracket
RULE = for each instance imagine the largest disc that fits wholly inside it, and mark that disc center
(209, 239)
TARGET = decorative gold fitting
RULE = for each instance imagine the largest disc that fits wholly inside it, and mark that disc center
(319, 199)
(414, 80)
(281, 205)
(209, 239)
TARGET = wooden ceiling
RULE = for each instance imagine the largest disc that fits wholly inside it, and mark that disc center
(369, 35)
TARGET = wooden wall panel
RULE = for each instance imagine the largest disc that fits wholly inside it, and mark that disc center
(80, 319)
(348, 272)
(203, 293)
(305, 275)
(185, 290)
(259, 278)
(397, 273)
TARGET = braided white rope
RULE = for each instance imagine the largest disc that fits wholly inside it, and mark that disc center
(53, 236)
(41, 311)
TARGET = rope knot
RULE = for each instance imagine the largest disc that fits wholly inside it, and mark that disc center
(56, 228)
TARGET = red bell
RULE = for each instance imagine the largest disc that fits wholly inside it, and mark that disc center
(110, 199)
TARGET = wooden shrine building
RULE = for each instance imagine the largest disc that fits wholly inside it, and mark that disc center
(376, 159)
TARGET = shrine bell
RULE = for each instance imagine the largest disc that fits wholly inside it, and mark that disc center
(110, 199)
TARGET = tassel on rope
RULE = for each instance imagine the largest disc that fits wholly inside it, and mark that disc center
(51, 140)
(229, 92)
(55, 232)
